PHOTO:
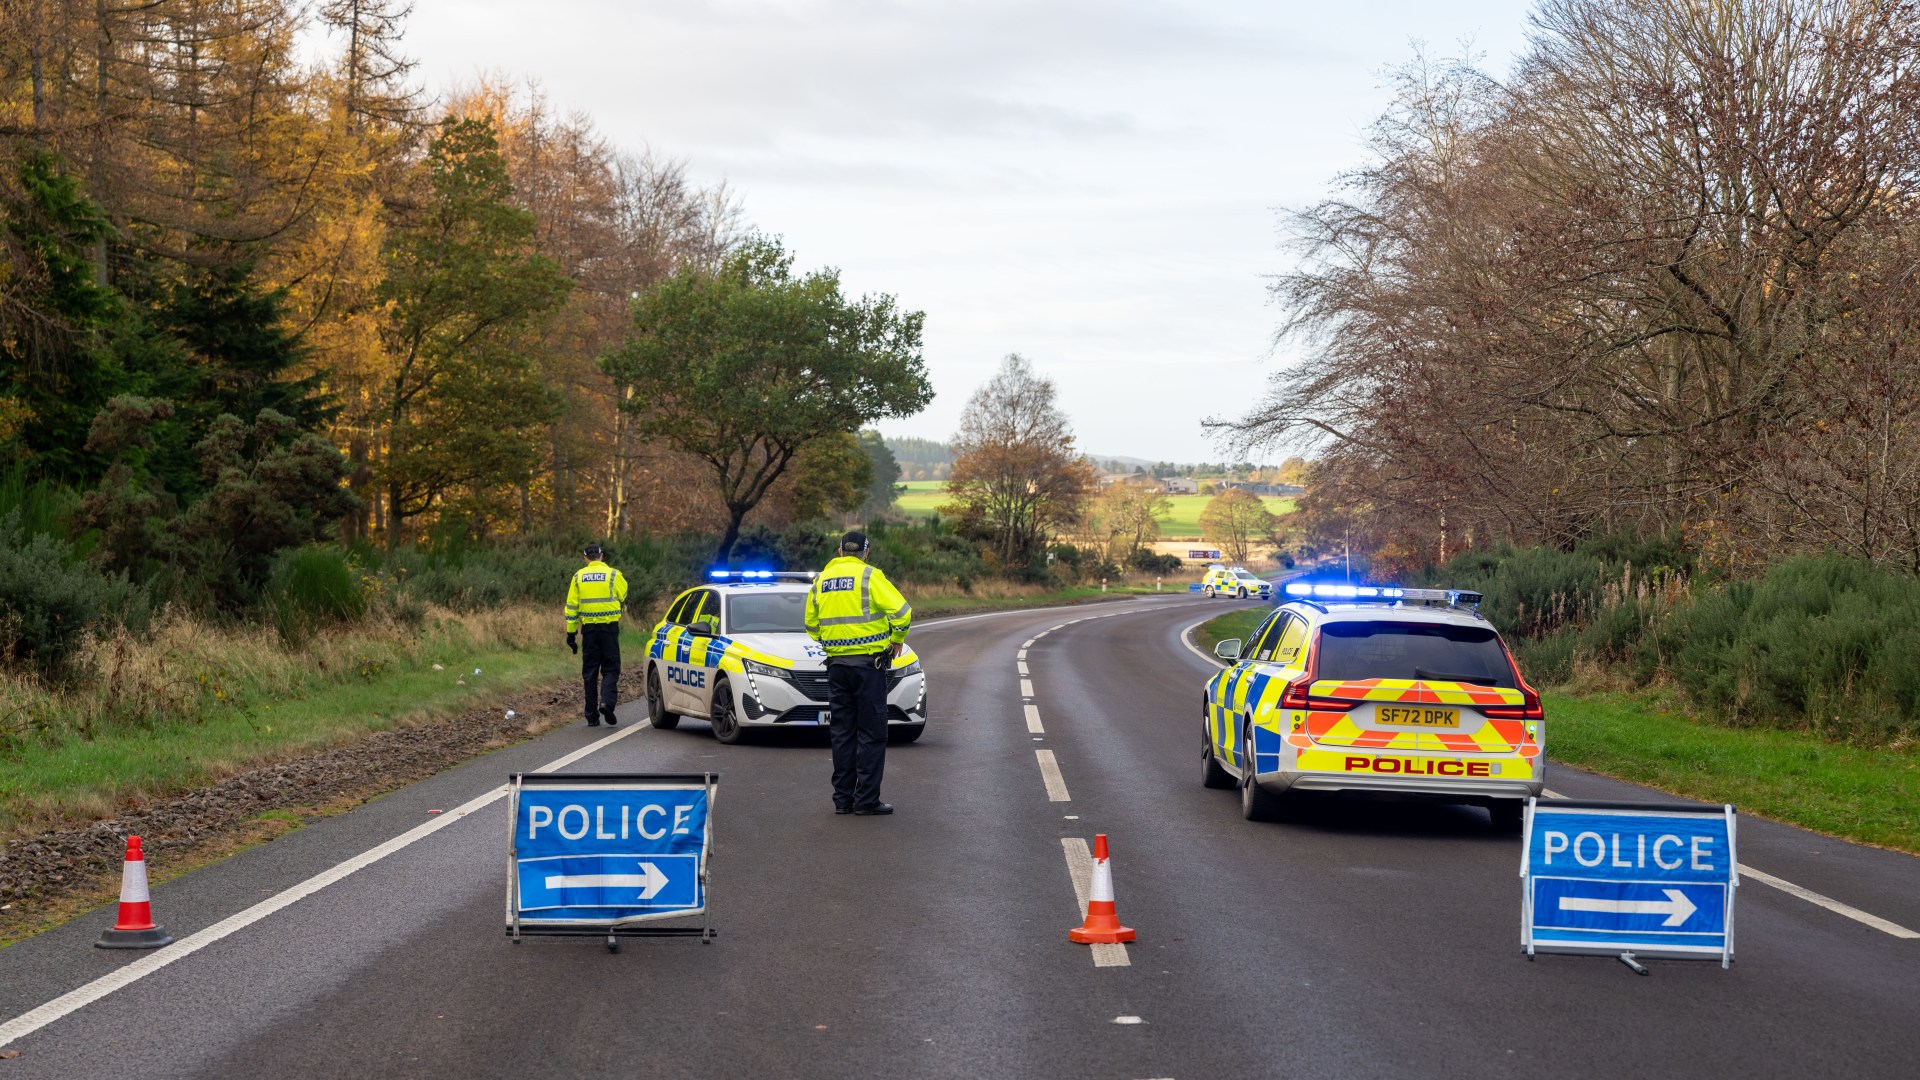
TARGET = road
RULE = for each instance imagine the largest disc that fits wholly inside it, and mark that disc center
(1366, 940)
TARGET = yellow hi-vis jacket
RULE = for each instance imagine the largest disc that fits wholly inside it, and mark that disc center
(853, 609)
(595, 595)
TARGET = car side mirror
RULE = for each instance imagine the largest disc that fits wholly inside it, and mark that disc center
(704, 626)
(1228, 649)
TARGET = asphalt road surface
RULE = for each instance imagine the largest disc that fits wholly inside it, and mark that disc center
(1365, 940)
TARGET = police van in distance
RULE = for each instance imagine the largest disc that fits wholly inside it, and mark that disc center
(735, 653)
(1373, 689)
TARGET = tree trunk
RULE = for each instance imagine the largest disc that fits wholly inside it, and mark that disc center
(394, 517)
(735, 515)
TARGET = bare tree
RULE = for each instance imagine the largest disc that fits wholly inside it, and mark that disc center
(1017, 479)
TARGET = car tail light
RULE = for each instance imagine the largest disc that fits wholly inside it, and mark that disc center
(1529, 707)
(1296, 697)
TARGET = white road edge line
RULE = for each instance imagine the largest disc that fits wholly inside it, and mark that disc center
(1829, 903)
(80, 997)
(1080, 869)
(1033, 721)
(1811, 897)
(1186, 638)
(1050, 772)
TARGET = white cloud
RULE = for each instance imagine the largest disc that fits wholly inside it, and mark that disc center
(1091, 183)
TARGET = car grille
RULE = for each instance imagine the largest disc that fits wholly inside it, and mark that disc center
(807, 714)
(813, 684)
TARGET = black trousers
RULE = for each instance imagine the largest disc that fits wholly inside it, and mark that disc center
(600, 668)
(857, 694)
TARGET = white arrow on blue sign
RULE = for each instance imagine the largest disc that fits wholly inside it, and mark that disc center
(1649, 879)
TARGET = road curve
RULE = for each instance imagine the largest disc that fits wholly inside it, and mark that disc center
(1365, 940)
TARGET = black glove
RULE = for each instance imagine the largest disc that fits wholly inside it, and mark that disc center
(573, 642)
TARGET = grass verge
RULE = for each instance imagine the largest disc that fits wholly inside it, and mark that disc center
(269, 703)
(1870, 795)
(1238, 623)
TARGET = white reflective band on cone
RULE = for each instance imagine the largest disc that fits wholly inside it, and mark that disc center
(1102, 883)
(133, 882)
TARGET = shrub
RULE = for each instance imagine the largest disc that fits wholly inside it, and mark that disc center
(311, 587)
(1828, 643)
(925, 553)
(1150, 562)
(49, 597)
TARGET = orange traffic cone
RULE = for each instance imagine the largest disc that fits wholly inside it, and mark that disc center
(135, 928)
(1102, 925)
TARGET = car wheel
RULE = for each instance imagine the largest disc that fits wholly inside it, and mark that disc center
(725, 721)
(1206, 591)
(1507, 814)
(1256, 803)
(657, 714)
(1243, 592)
(1212, 773)
(901, 734)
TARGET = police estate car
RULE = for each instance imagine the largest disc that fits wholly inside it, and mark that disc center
(735, 653)
(1233, 581)
(1374, 689)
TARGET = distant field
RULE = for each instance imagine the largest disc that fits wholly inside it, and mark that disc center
(924, 497)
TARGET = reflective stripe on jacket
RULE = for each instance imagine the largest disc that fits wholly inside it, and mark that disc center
(595, 595)
(853, 609)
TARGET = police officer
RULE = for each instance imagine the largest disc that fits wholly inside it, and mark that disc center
(861, 620)
(594, 599)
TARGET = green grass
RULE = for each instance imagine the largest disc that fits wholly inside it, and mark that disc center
(1238, 623)
(925, 497)
(76, 778)
(1871, 795)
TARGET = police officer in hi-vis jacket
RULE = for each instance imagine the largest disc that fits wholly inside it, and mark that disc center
(861, 621)
(594, 599)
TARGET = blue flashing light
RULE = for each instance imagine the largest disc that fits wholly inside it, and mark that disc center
(744, 575)
(1393, 593)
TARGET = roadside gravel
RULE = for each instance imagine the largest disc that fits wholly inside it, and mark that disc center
(64, 867)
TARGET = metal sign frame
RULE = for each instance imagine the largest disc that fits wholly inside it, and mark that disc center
(1625, 951)
(632, 925)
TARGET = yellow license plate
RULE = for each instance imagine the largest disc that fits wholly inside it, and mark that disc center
(1416, 716)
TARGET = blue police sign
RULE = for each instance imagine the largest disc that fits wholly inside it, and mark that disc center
(598, 854)
(1629, 878)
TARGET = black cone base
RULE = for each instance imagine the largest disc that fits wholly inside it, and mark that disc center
(134, 939)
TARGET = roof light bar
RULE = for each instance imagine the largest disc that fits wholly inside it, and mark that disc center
(1382, 593)
(761, 575)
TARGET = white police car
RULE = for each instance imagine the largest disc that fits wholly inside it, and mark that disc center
(1233, 581)
(735, 653)
(1376, 689)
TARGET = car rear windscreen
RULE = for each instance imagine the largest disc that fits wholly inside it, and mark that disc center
(1351, 651)
(767, 613)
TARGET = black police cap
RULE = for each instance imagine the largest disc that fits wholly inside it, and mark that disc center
(854, 541)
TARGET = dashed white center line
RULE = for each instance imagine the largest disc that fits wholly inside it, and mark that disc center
(1033, 721)
(1021, 663)
(1025, 645)
(1080, 869)
(1050, 772)
(1026, 687)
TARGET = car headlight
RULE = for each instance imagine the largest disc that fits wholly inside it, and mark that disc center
(765, 671)
(911, 669)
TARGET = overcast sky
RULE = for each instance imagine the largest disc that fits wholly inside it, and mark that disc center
(1091, 183)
